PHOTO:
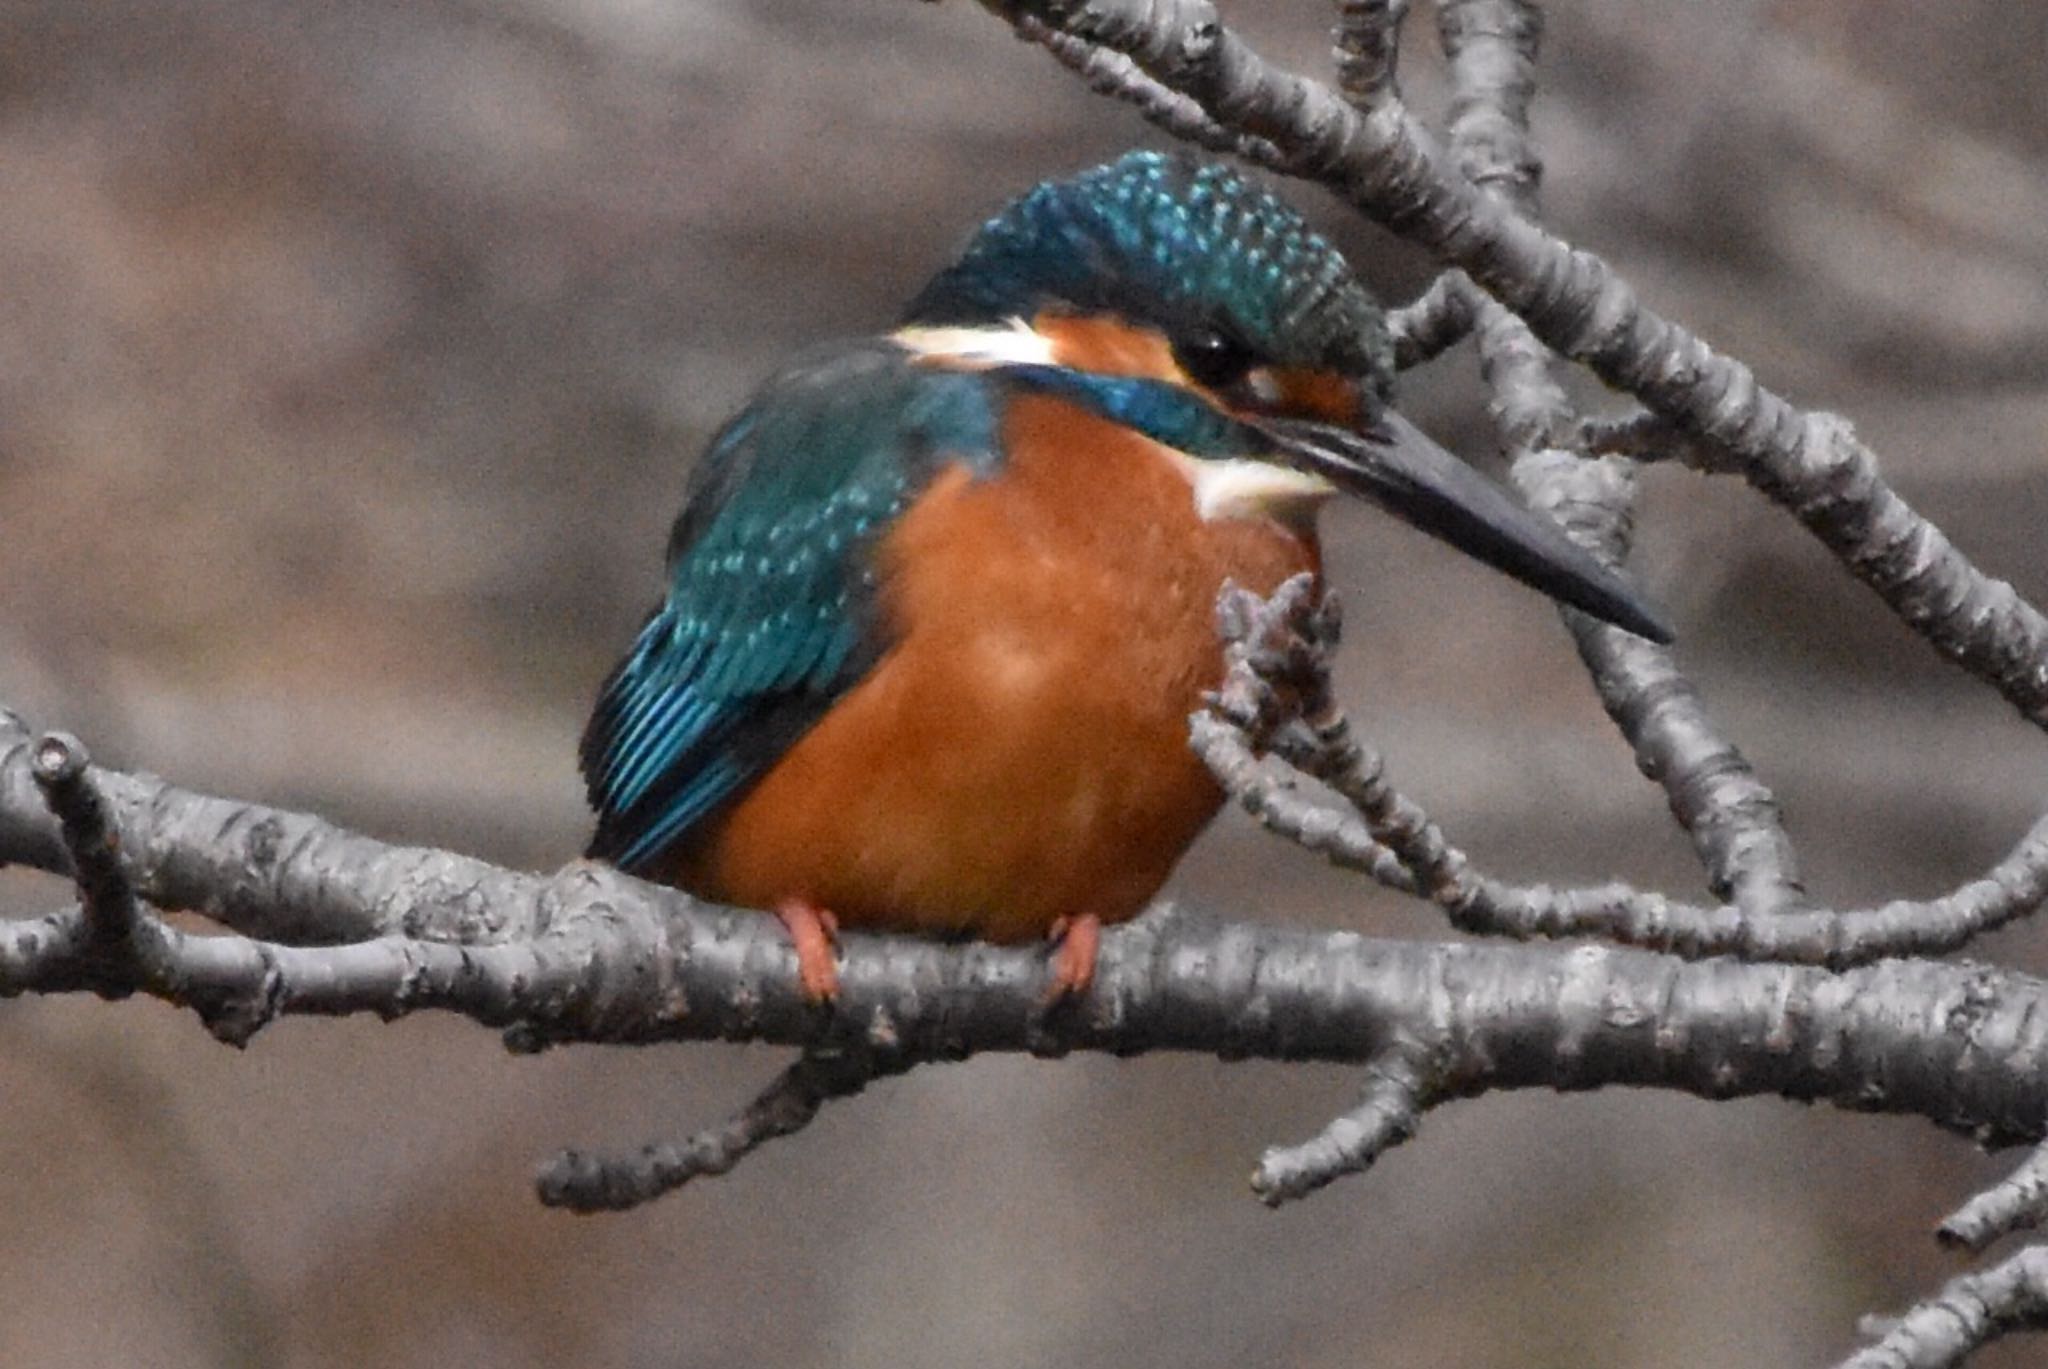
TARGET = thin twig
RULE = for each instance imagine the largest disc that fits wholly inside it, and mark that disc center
(1275, 698)
(1435, 321)
(585, 1182)
(58, 763)
(121, 946)
(1115, 75)
(1368, 41)
(1278, 804)
(1646, 437)
(1714, 793)
(2017, 1202)
(1397, 1091)
(1969, 1313)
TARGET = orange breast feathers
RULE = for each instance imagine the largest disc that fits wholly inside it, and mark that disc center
(1020, 755)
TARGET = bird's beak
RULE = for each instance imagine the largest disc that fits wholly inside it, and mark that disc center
(1392, 463)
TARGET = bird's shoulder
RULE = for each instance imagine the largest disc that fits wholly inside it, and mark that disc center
(770, 607)
(831, 443)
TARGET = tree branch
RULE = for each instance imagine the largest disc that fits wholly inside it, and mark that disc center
(1399, 1086)
(609, 958)
(1385, 165)
(1275, 698)
(2015, 1203)
(1435, 321)
(584, 1182)
(1368, 39)
(286, 877)
(331, 922)
(1115, 75)
(1713, 791)
(1971, 1311)
(110, 916)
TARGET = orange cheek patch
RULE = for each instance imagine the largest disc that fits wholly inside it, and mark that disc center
(1315, 394)
(1108, 346)
(1111, 347)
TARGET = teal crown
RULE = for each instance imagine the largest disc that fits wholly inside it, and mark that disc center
(1175, 243)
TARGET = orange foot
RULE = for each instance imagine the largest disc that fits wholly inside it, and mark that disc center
(814, 933)
(1075, 943)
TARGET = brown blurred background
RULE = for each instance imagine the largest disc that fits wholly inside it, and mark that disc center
(352, 353)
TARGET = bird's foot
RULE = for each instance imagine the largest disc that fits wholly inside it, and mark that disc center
(1075, 944)
(815, 934)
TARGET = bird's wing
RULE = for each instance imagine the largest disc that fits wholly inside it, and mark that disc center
(771, 611)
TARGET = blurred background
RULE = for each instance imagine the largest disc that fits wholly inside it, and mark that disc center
(352, 356)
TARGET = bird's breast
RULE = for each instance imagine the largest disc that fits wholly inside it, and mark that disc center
(1020, 753)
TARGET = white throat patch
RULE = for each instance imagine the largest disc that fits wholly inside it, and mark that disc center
(1242, 488)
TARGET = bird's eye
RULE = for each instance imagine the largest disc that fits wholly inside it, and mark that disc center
(1211, 358)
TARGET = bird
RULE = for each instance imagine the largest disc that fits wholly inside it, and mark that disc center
(940, 602)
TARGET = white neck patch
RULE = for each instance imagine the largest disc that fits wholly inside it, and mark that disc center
(1015, 343)
(1244, 488)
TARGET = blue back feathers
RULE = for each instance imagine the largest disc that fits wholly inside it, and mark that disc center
(770, 605)
(1170, 241)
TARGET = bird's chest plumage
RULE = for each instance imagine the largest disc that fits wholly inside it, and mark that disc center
(1020, 753)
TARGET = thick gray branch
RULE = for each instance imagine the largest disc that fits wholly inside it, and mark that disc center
(275, 875)
(595, 956)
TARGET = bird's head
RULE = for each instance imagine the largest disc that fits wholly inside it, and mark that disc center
(1182, 299)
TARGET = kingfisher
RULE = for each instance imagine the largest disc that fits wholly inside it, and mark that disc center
(940, 602)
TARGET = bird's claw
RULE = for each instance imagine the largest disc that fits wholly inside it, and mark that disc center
(814, 933)
(1076, 941)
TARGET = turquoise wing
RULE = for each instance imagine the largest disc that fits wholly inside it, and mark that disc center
(771, 611)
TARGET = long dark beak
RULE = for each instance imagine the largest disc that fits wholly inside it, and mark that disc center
(1394, 465)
